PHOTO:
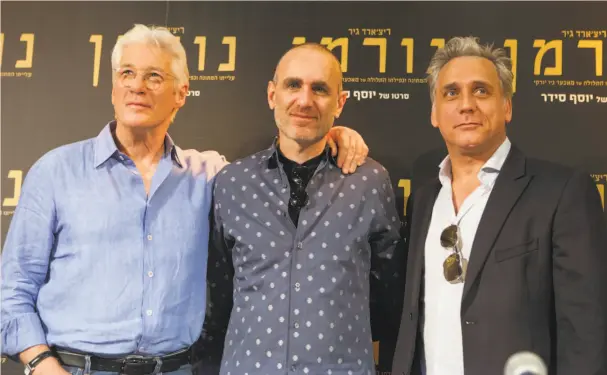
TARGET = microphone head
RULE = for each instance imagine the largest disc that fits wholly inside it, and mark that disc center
(525, 363)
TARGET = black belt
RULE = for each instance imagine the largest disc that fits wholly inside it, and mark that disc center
(128, 365)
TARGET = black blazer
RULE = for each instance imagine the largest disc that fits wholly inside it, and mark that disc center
(536, 279)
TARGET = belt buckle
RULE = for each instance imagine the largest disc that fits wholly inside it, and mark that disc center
(132, 361)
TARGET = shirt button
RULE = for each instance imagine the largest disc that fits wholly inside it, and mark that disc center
(300, 245)
(292, 367)
(151, 274)
(296, 325)
(149, 237)
(149, 312)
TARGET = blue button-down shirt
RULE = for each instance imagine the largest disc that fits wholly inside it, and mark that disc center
(93, 263)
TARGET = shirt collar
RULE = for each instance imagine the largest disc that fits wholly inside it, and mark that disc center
(105, 147)
(273, 160)
(488, 172)
(175, 151)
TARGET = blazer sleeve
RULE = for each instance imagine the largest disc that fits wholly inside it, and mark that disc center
(580, 279)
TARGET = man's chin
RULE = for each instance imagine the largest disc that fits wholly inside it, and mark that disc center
(474, 148)
(302, 136)
(470, 141)
(307, 140)
(139, 122)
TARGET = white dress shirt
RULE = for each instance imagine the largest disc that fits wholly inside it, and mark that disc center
(442, 300)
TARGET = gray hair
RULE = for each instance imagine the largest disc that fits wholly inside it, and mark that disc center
(160, 37)
(470, 46)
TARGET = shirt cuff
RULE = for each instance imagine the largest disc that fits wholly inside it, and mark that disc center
(22, 333)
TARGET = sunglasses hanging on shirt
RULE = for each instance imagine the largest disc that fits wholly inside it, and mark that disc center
(455, 265)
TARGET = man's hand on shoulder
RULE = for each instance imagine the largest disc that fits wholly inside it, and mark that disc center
(349, 146)
(210, 162)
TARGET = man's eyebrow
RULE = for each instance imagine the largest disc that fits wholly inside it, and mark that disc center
(454, 85)
(292, 80)
(449, 86)
(146, 69)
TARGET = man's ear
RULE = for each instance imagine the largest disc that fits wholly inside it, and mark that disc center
(271, 94)
(182, 93)
(508, 110)
(341, 101)
(433, 118)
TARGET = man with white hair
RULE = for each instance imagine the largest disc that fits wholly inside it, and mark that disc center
(104, 265)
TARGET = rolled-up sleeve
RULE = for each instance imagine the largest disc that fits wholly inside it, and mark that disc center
(25, 261)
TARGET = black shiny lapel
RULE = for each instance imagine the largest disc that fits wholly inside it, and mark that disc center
(422, 215)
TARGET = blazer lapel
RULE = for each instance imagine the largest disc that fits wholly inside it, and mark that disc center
(509, 185)
(422, 214)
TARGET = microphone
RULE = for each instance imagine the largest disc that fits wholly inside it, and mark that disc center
(525, 363)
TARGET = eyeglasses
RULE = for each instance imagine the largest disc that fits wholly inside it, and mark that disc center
(299, 197)
(454, 267)
(152, 79)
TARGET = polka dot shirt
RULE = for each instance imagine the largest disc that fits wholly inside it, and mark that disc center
(300, 295)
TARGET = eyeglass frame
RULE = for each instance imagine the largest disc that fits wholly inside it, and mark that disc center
(146, 79)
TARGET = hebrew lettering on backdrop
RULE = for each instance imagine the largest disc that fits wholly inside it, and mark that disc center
(382, 44)
(29, 52)
(581, 98)
(97, 40)
(1, 46)
(28, 61)
(16, 175)
(406, 185)
(408, 44)
(364, 94)
(557, 46)
(598, 53)
(202, 51)
(601, 189)
(229, 66)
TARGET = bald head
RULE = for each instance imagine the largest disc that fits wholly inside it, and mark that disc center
(306, 96)
(304, 51)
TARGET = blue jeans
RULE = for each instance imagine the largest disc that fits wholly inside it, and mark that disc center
(183, 370)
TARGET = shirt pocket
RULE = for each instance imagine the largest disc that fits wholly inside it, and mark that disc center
(516, 251)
